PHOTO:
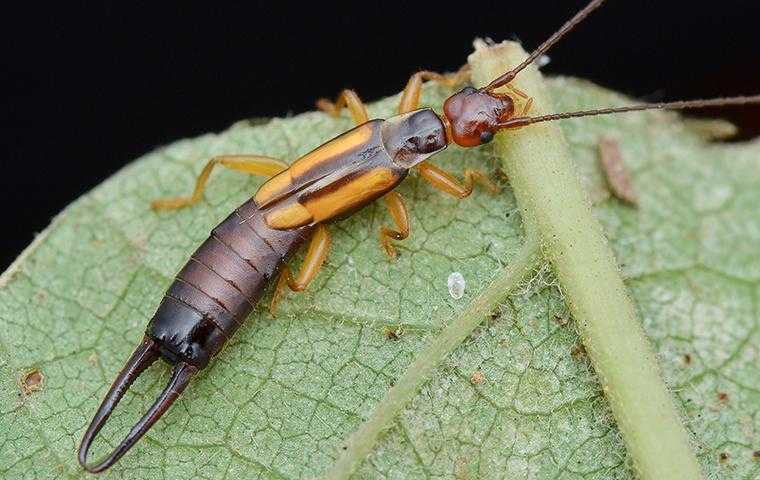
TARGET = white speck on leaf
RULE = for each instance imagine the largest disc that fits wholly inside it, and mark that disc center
(456, 285)
(543, 61)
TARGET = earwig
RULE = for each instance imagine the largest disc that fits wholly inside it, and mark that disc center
(227, 275)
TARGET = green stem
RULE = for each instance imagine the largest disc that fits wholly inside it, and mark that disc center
(540, 169)
(363, 440)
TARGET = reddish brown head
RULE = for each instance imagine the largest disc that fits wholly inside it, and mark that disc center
(474, 115)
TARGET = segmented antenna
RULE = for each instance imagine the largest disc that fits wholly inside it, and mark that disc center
(566, 28)
(679, 105)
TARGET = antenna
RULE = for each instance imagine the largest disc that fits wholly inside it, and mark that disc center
(566, 28)
(679, 105)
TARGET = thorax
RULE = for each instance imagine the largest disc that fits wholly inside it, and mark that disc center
(345, 173)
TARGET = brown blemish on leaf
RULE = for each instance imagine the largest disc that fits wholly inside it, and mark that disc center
(460, 469)
(723, 457)
(722, 397)
(687, 359)
(393, 333)
(477, 377)
(561, 320)
(31, 381)
(578, 352)
(618, 177)
(501, 175)
(756, 455)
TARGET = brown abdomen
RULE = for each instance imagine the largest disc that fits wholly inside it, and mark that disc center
(220, 284)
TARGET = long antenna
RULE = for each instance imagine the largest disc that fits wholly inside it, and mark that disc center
(567, 27)
(679, 105)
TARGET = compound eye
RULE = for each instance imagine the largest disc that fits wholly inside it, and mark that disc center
(486, 136)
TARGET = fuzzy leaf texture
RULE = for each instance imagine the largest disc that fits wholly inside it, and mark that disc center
(516, 400)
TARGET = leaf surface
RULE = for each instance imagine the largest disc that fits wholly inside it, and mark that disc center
(516, 400)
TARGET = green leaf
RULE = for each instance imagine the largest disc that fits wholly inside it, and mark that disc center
(286, 392)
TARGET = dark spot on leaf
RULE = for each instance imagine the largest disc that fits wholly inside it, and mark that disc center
(687, 359)
(393, 333)
(578, 352)
(723, 457)
(723, 397)
(31, 381)
(257, 121)
(477, 377)
(756, 455)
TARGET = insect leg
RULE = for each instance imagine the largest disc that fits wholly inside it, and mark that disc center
(446, 182)
(410, 97)
(319, 247)
(395, 203)
(348, 99)
(527, 107)
(250, 164)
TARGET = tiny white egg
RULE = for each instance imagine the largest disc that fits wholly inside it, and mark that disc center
(456, 285)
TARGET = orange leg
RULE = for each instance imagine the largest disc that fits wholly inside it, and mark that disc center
(250, 164)
(319, 247)
(527, 99)
(526, 107)
(437, 177)
(410, 98)
(395, 203)
(516, 91)
(349, 99)
(445, 182)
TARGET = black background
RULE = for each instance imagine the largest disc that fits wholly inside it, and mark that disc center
(88, 88)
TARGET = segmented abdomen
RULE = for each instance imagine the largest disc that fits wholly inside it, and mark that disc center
(220, 285)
